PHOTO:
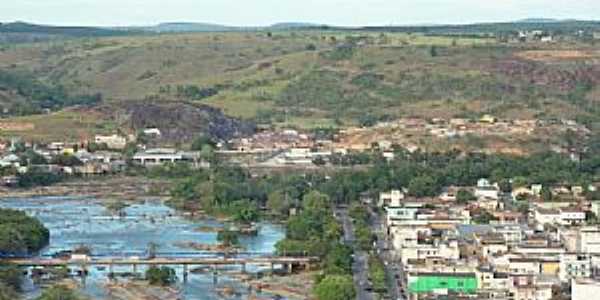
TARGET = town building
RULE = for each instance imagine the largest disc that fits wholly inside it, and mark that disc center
(114, 141)
(155, 157)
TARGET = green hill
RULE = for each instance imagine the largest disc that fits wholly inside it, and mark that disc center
(324, 77)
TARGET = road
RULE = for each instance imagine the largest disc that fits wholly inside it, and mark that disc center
(360, 264)
(393, 268)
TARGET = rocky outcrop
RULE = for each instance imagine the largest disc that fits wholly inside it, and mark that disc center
(181, 121)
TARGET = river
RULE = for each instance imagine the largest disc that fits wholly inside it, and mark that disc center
(75, 221)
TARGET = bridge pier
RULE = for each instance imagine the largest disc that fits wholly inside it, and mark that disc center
(215, 274)
(185, 273)
(243, 268)
(134, 267)
(84, 273)
(272, 269)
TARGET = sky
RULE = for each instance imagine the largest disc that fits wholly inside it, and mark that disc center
(266, 12)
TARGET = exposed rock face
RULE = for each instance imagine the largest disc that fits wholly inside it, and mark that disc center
(182, 122)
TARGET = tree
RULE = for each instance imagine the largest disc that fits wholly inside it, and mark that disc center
(316, 201)
(21, 234)
(464, 196)
(207, 153)
(201, 141)
(311, 47)
(319, 161)
(66, 160)
(484, 218)
(433, 51)
(7, 292)
(36, 177)
(277, 202)
(10, 280)
(31, 157)
(339, 260)
(228, 238)
(163, 276)
(59, 292)
(244, 211)
(505, 186)
(377, 274)
(423, 186)
(335, 287)
(546, 194)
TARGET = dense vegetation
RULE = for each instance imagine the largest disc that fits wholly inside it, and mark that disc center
(37, 96)
(336, 287)
(10, 282)
(228, 238)
(362, 231)
(163, 276)
(377, 274)
(37, 178)
(21, 234)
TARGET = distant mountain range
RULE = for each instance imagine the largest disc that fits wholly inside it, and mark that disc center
(23, 32)
(22, 27)
(209, 27)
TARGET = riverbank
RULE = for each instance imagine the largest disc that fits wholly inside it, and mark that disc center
(106, 187)
(136, 290)
(296, 286)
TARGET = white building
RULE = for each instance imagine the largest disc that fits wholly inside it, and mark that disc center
(401, 213)
(444, 249)
(585, 289)
(155, 132)
(154, 157)
(302, 156)
(530, 266)
(572, 216)
(486, 190)
(512, 234)
(588, 240)
(112, 141)
(546, 216)
(596, 208)
(574, 266)
(562, 216)
(391, 199)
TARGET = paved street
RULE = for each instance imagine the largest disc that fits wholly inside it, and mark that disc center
(393, 269)
(360, 265)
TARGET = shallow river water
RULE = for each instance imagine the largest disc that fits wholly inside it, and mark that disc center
(85, 221)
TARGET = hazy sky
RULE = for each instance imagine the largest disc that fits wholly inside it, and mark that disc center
(263, 12)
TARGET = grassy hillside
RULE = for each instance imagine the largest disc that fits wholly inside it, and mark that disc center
(317, 78)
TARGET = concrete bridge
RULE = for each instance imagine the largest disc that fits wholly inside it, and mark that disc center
(286, 262)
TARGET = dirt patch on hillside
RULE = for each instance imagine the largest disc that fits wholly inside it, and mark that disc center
(558, 55)
(16, 126)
